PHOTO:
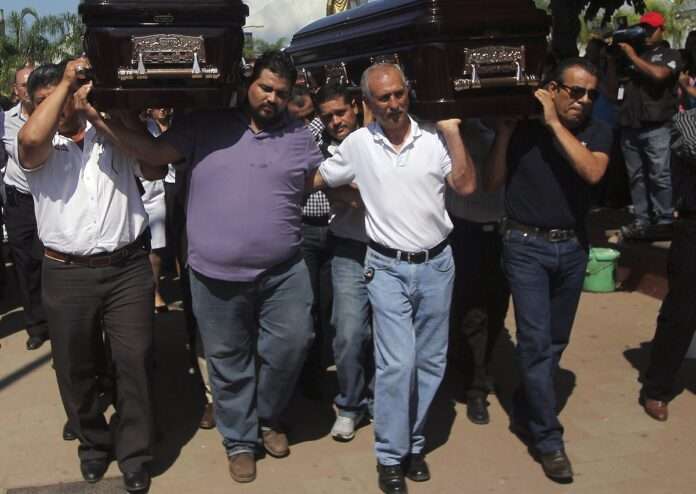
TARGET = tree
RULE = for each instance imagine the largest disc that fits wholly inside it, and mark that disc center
(45, 39)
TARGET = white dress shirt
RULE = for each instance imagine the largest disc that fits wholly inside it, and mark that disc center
(14, 121)
(403, 191)
(87, 202)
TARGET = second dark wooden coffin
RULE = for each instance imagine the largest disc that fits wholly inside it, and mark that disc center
(463, 58)
(164, 53)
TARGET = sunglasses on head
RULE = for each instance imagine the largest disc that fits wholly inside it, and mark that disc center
(579, 92)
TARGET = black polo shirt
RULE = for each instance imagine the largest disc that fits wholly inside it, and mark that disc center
(543, 189)
(648, 102)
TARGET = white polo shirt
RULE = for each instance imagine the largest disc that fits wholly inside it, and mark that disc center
(14, 120)
(403, 192)
(87, 202)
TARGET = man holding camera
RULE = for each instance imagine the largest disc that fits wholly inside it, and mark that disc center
(649, 100)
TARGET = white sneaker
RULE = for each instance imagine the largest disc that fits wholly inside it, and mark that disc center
(344, 428)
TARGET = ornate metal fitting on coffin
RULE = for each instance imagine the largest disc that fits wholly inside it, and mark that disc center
(337, 73)
(168, 56)
(494, 66)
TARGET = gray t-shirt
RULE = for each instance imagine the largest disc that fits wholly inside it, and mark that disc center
(244, 208)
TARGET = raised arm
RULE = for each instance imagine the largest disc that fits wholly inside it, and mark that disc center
(462, 179)
(495, 168)
(36, 136)
(654, 71)
(591, 166)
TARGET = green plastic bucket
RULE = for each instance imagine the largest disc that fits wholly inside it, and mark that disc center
(600, 275)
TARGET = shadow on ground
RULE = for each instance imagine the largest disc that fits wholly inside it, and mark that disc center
(639, 358)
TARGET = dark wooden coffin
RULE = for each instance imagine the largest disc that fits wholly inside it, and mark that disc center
(462, 57)
(164, 53)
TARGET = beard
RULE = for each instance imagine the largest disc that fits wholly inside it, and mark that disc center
(263, 119)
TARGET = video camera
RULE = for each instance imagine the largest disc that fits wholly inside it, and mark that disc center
(633, 35)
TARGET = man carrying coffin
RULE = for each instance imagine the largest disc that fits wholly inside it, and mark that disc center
(401, 169)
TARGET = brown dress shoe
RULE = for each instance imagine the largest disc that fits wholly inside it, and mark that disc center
(656, 409)
(242, 467)
(208, 418)
(275, 443)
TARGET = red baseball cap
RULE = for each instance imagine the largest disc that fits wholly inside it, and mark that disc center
(654, 19)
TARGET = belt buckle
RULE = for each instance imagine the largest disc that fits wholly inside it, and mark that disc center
(99, 262)
(557, 235)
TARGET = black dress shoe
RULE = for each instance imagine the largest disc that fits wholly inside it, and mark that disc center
(391, 479)
(138, 481)
(417, 469)
(68, 434)
(556, 466)
(93, 470)
(35, 342)
(477, 410)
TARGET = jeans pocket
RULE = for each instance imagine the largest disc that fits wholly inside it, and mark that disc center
(443, 263)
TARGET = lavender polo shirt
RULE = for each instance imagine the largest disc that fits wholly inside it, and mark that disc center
(244, 209)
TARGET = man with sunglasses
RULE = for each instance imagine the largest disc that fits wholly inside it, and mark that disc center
(648, 103)
(548, 167)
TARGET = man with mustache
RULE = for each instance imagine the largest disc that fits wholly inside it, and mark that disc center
(401, 169)
(251, 291)
(548, 168)
(96, 274)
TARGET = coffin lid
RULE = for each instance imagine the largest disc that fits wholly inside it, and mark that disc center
(445, 15)
(122, 12)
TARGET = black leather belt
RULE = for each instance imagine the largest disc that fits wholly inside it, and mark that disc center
(410, 257)
(316, 220)
(99, 260)
(550, 234)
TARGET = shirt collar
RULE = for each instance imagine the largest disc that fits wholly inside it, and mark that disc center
(16, 112)
(268, 131)
(379, 136)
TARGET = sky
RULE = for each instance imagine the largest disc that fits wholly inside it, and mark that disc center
(43, 7)
(264, 13)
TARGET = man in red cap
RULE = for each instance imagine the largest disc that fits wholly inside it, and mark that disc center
(648, 102)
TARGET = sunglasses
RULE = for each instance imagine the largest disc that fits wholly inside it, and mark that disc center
(579, 92)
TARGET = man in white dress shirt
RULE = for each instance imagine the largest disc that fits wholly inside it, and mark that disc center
(402, 169)
(96, 274)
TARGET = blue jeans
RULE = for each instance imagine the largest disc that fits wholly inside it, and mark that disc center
(255, 337)
(352, 345)
(410, 307)
(648, 156)
(545, 280)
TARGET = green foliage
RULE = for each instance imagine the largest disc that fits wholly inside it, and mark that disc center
(45, 39)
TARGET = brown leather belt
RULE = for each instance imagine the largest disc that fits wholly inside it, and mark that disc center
(97, 260)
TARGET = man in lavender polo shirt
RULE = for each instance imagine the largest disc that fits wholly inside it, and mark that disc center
(250, 285)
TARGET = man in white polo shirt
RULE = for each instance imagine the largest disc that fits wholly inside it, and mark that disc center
(401, 169)
(96, 273)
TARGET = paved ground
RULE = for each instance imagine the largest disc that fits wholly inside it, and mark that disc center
(614, 446)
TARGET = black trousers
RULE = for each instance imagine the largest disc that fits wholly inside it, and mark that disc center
(317, 251)
(480, 300)
(27, 254)
(676, 322)
(80, 303)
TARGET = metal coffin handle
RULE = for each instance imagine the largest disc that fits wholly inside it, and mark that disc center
(167, 56)
(494, 66)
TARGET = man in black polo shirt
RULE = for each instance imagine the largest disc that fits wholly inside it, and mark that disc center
(676, 322)
(649, 102)
(548, 167)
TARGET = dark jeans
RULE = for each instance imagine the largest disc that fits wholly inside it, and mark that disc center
(80, 302)
(255, 335)
(545, 280)
(480, 301)
(27, 254)
(676, 322)
(317, 253)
